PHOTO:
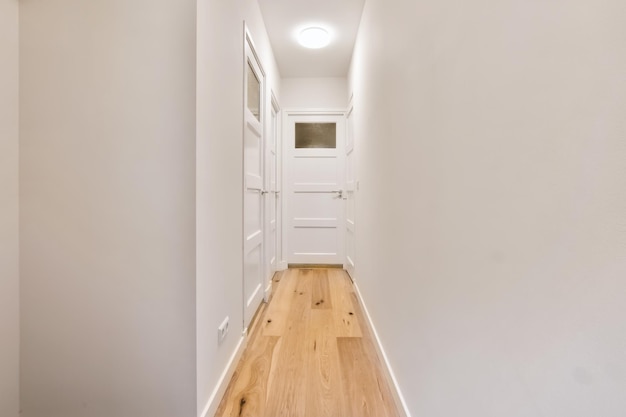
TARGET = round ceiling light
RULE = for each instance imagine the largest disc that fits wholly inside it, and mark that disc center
(314, 37)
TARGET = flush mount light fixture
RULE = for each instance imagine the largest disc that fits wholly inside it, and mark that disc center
(314, 37)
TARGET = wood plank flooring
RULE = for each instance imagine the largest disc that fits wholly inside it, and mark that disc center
(311, 354)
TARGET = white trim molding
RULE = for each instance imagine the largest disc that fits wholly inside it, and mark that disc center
(268, 291)
(389, 375)
(315, 111)
(220, 389)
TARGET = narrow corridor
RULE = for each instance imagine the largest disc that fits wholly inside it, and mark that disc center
(310, 354)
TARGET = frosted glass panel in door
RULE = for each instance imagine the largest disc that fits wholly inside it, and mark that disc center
(316, 135)
(254, 93)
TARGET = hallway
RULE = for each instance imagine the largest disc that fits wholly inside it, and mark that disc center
(474, 189)
(310, 353)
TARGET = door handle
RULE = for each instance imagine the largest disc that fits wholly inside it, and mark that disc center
(263, 192)
(340, 192)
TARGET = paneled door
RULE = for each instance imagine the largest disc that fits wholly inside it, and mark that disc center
(272, 199)
(253, 184)
(351, 187)
(314, 146)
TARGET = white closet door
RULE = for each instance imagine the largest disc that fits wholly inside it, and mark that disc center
(253, 187)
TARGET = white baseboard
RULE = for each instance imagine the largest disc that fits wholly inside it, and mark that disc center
(391, 378)
(282, 265)
(268, 291)
(214, 400)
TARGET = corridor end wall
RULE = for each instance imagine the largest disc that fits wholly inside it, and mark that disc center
(314, 93)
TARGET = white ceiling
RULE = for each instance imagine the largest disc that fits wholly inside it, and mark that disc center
(285, 18)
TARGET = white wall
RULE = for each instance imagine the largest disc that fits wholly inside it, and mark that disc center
(107, 181)
(9, 242)
(314, 93)
(220, 179)
(492, 208)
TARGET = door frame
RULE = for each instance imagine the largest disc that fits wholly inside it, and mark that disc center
(281, 262)
(286, 209)
(272, 196)
(351, 188)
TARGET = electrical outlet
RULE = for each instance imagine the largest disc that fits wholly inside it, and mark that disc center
(222, 331)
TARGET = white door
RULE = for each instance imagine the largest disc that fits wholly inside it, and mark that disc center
(314, 146)
(271, 201)
(253, 185)
(351, 187)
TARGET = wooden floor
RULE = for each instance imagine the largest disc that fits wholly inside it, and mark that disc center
(310, 354)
